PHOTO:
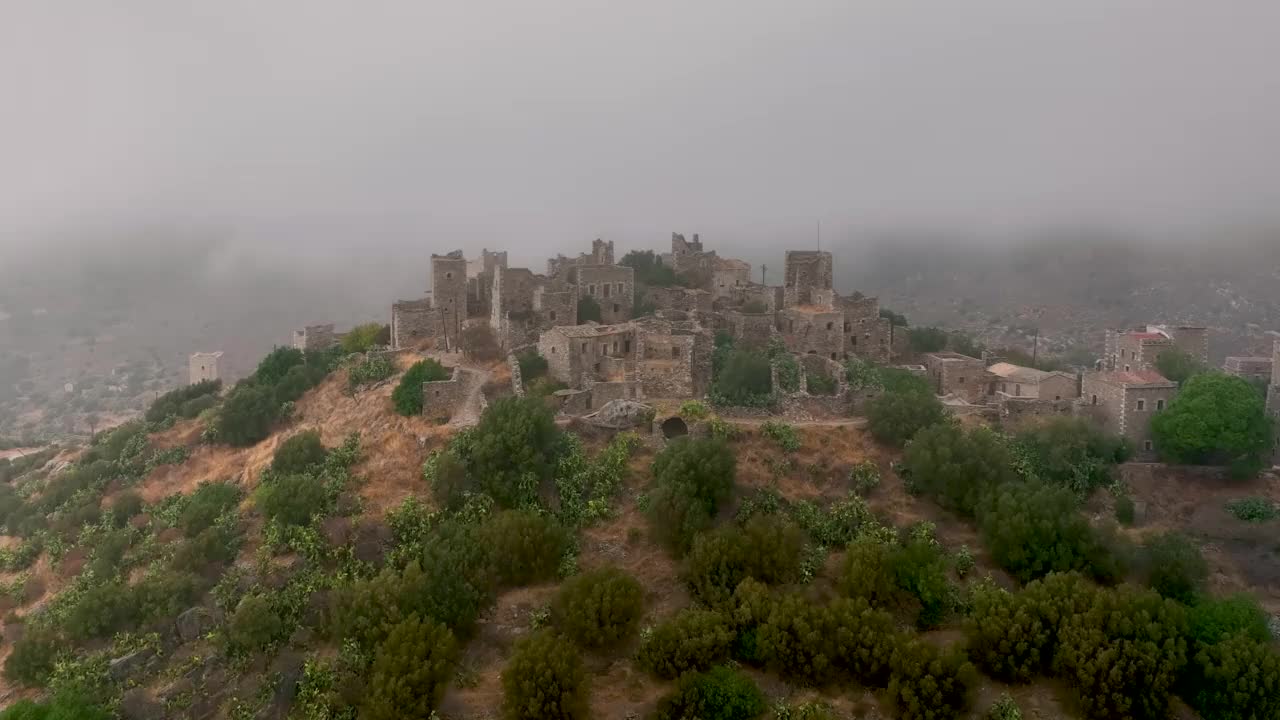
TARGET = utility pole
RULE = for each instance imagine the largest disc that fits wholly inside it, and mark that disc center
(763, 269)
(819, 235)
(1035, 348)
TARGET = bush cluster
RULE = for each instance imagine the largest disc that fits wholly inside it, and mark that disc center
(410, 671)
(691, 641)
(1215, 419)
(300, 453)
(293, 499)
(692, 477)
(1009, 636)
(815, 644)
(719, 694)
(545, 680)
(741, 378)
(956, 467)
(1254, 509)
(362, 338)
(525, 547)
(927, 683)
(255, 624)
(206, 505)
(1174, 567)
(1236, 679)
(767, 548)
(598, 608)
(532, 365)
(509, 456)
(907, 406)
(374, 368)
(1071, 452)
(258, 402)
(782, 433)
(1033, 529)
(184, 402)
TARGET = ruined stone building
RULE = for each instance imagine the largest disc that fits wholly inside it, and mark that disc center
(315, 337)
(807, 279)
(1138, 349)
(728, 276)
(1257, 369)
(1025, 382)
(1124, 402)
(449, 296)
(613, 287)
(965, 377)
(601, 254)
(203, 367)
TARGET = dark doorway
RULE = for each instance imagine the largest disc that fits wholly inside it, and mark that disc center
(674, 427)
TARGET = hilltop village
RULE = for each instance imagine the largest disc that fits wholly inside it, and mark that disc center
(609, 331)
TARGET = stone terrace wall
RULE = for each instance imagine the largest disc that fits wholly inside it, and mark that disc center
(412, 323)
(443, 398)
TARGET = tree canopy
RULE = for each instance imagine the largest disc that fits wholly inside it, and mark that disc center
(1215, 419)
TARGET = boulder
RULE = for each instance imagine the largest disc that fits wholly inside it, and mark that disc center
(194, 623)
(121, 668)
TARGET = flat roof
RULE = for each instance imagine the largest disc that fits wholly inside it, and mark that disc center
(1134, 377)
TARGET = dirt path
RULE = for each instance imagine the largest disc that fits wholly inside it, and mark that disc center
(474, 405)
(857, 423)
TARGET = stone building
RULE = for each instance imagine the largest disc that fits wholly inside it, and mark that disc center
(648, 358)
(1024, 382)
(960, 375)
(1250, 368)
(752, 331)
(449, 296)
(601, 254)
(315, 337)
(613, 288)
(577, 355)
(728, 275)
(413, 324)
(480, 277)
(807, 279)
(688, 256)
(1138, 349)
(684, 299)
(441, 399)
(1125, 402)
(813, 330)
(867, 335)
(204, 367)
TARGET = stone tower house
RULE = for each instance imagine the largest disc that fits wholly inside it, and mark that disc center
(449, 295)
(808, 279)
(204, 367)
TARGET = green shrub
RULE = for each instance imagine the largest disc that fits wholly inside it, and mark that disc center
(1213, 620)
(1215, 419)
(788, 370)
(195, 407)
(1004, 708)
(896, 417)
(172, 403)
(407, 397)
(255, 624)
(782, 433)
(297, 381)
(813, 643)
(691, 641)
(1008, 637)
(956, 466)
(276, 364)
(1033, 529)
(1072, 452)
(372, 369)
(66, 704)
(929, 684)
(1174, 567)
(206, 504)
(821, 384)
(588, 310)
(410, 671)
(768, 548)
(1124, 653)
(125, 506)
(864, 477)
(247, 415)
(691, 479)
(293, 499)
(694, 410)
(525, 547)
(302, 452)
(210, 546)
(100, 611)
(920, 569)
(32, 659)
(1125, 510)
(362, 337)
(742, 378)
(720, 694)
(544, 680)
(513, 450)
(532, 365)
(1253, 509)
(598, 608)
(108, 553)
(869, 574)
(1236, 679)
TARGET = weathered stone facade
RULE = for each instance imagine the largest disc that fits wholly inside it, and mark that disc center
(204, 367)
(441, 399)
(315, 337)
(751, 331)
(728, 275)
(960, 375)
(1124, 402)
(679, 298)
(579, 355)
(613, 287)
(1250, 368)
(1024, 382)
(601, 254)
(449, 296)
(1138, 349)
(808, 275)
(688, 257)
(867, 335)
(807, 329)
(413, 324)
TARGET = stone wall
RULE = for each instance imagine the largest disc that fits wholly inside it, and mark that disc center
(679, 298)
(412, 323)
(807, 279)
(517, 379)
(820, 332)
(315, 337)
(751, 331)
(441, 399)
(204, 367)
(664, 364)
(449, 296)
(817, 366)
(1249, 368)
(1019, 412)
(612, 286)
(960, 375)
(1126, 409)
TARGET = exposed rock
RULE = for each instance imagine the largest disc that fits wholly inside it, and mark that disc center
(119, 669)
(194, 623)
(136, 704)
(621, 415)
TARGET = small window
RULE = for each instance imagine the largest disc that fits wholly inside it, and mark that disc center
(448, 276)
(607, 288)
(961, 380)
(1147, 445)
(675, 353)
(848, 326)
(1126, 368)
(833, 356)
(553, 316)
(553, 349)
(1017, 390)
(853, 340)
(830, 325)
(626, 346)
(1159, 404)
(584, 348)
(1142, 405)
(1004, 387)
(615, 347)
(597, 367)
(1057, 397)
(617, 307)
(1095, 400)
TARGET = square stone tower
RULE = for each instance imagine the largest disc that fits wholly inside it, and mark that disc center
(449, 294)
(808, 279)
(204, 367)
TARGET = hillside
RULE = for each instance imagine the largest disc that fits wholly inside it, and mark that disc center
(200, 654)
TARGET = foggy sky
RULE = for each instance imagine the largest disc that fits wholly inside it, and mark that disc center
(536, 125)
